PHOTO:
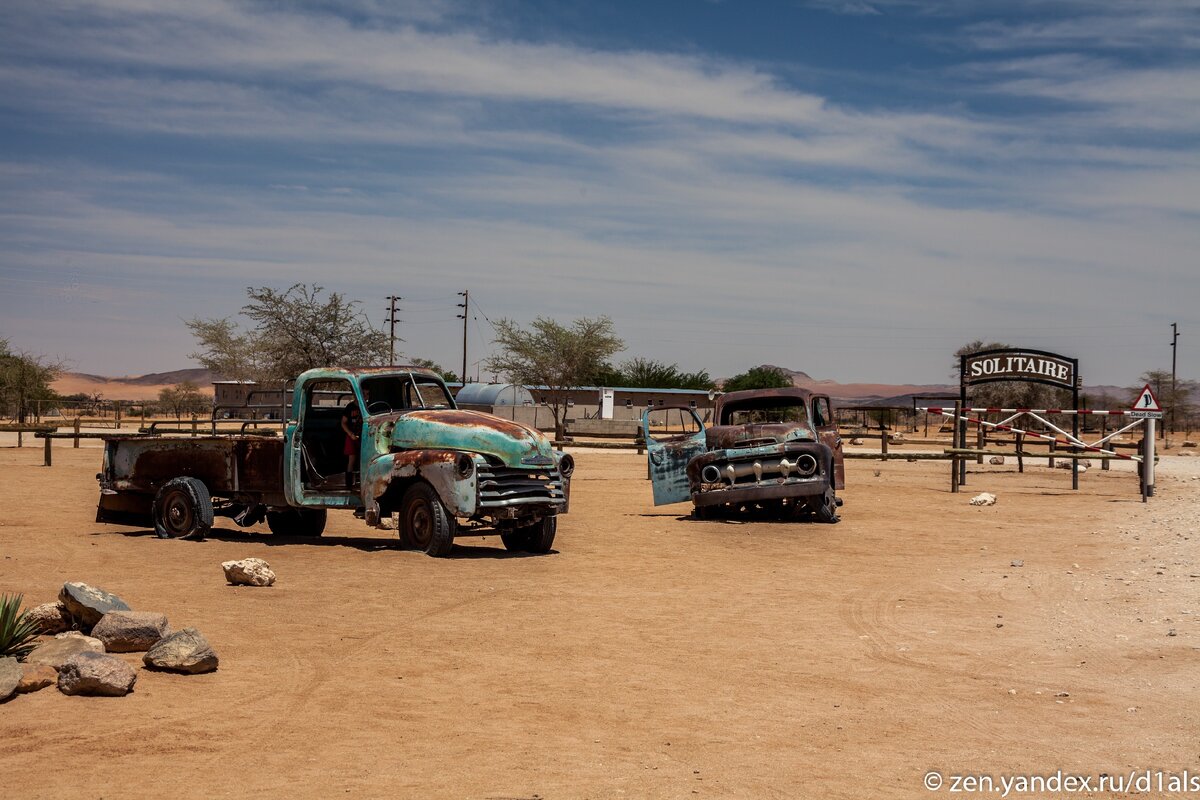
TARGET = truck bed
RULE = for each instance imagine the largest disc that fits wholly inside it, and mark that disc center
(234, 466)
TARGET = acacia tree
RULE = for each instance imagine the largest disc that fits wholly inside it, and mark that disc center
(556, 356)
(764, 377)
(183, 398)
(293, 330)
(24, 380)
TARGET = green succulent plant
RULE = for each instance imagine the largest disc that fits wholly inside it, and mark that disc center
(17, 631)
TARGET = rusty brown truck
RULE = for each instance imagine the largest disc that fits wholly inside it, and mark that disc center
(770, 451)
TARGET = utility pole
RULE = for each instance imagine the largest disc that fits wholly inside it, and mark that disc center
(391, 320)
(1174, 350)
(465, 305)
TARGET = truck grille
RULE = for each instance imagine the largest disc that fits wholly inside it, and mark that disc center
(504, 486)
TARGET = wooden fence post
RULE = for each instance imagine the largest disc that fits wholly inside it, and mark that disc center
(980, 441)
(1020, 452)
(46, 458)
(76, 445)
(1104, 465)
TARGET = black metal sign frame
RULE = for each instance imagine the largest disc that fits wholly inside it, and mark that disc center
(1022, 365)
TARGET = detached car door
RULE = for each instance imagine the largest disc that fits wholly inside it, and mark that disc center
(674, 436)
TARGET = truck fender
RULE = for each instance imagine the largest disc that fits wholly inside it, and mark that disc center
(451, 473)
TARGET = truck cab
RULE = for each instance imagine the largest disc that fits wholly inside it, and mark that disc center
(440, 468)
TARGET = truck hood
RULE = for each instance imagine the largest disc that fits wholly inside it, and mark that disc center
(727, 437)
(511, 442)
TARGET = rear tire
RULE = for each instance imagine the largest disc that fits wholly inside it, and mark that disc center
(306, 522)
(535, 538)
(183, 510)
(425, 522)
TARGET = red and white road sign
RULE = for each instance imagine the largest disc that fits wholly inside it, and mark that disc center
(1146, 406)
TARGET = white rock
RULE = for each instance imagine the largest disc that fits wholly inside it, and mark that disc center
(248, 572)
(984, 499)
(997, 460)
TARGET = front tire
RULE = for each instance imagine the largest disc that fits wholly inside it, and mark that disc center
(183, 510)
(427, 525)
(306, 522)
(535, 538)
(825, 507)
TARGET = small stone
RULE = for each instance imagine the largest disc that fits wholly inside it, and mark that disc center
(856, 442)
(984, 499)
(56, 651)
(1062, 694)
(10, 677)
(184, 651)
(248, 572)
(96, 674)
(50, 618)
(1172, 632)
(130, 631)
(87, 604)
(1012, 691)
(996, 460)
(1189, 444)
(1016, 562)
(36, 677)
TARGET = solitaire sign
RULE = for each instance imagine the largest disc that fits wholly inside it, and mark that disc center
(1146, 406)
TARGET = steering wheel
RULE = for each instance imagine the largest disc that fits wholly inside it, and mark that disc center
(384, 407)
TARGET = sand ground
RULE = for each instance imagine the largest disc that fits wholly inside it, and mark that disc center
(650, 656)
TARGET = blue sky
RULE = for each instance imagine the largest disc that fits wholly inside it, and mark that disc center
(852, 188)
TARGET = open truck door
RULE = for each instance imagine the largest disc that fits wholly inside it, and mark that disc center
(674, 436)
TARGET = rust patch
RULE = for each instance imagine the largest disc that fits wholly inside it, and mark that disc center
(473, 419)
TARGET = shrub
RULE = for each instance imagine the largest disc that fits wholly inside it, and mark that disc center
(17, 631)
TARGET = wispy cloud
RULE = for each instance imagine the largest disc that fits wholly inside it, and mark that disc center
(379, 145)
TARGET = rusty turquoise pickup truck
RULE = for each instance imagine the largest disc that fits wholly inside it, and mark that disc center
(444, 471)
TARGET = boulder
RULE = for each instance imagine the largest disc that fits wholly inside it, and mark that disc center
(87, 604)
(1084, 463)
(1189, 444)
(10, 677)
(130, 631)
(183, 651)
(856, 441)
(248, 572)
(50, 618)
(984, 499)
(96, 674)
(56, 651)
(36, 677)
(996, 460)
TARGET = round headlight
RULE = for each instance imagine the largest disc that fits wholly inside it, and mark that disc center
(465, 464)
(710, 474)
(566, 465)
(806, 464)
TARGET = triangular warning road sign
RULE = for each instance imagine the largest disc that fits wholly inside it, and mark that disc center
(1146, 401)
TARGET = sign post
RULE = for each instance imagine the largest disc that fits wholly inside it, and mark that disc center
(1147, 407)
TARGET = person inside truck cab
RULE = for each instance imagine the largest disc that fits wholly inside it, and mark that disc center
(352, 426)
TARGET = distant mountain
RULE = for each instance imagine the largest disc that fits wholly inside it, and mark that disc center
(131, 387)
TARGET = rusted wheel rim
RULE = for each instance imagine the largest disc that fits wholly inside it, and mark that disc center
(177, 513)
(420, 524)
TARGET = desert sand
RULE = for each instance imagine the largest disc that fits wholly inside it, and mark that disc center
(649, 656)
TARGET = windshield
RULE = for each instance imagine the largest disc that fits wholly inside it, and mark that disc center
(777, 410)
(389, 393)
